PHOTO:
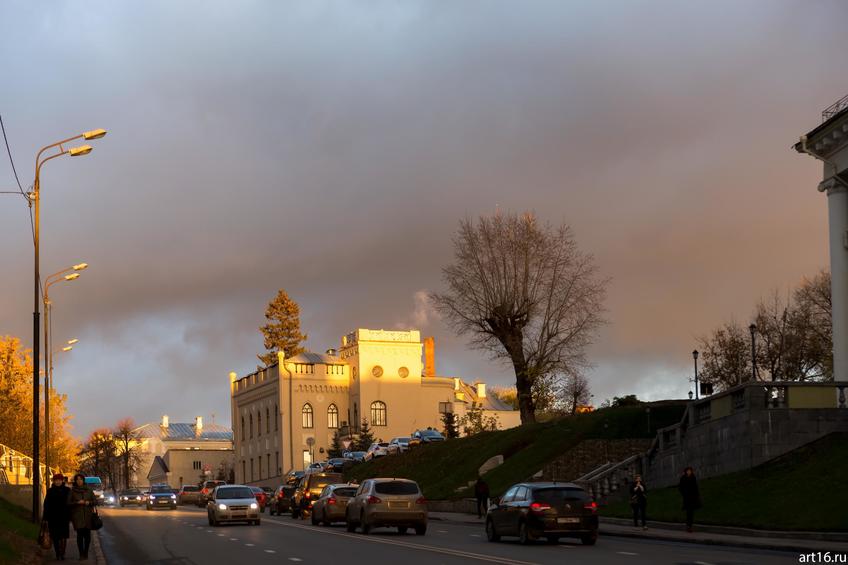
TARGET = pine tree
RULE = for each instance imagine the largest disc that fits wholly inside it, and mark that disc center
(336, 448)
(366, 437)
(450, 423)
(282, 332)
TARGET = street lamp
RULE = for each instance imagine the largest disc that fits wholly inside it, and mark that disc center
(35, 198)
(753, 329)
(695, 357)
(65, 275)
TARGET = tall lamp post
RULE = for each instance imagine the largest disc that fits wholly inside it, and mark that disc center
(753, 329)
(35, 198)
(697, 386)
(60, 276)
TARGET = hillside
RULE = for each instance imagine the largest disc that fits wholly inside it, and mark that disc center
(802, 490)
(441, 468)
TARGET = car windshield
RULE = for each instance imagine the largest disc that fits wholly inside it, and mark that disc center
(191, 489)
(383, 444)
(256, 489)
(557, 495)
(344, 491)
(431, 433)
(234, 492)
(403, 440)
(161, 489)
(131, 491)
(396, 487)
(321, 482)
(358, 454)
(94, 482)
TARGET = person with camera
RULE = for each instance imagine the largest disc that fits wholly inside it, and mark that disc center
(639, 502)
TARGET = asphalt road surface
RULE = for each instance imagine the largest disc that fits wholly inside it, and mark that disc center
(134, 535)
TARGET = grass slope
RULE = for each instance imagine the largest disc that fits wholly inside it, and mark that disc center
(802, 490)
(17, 535)
(441, 468)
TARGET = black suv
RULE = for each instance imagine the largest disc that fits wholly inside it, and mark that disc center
(544, 510)
(161, 496)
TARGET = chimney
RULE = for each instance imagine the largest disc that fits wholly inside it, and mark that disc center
(429, 357)
(331, 352)
(198, 423)
(165, 421)
(481, 390)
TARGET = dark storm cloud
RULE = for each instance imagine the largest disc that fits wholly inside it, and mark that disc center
(330, 149)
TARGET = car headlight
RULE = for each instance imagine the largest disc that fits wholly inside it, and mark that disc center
(111, 499)
(222, 507)
(253, 506)
(138, 498)
(174, 496)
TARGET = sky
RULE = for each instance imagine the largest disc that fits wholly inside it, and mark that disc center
(331, 148)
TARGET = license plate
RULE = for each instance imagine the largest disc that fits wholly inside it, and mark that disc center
(398, 504)
(568, 520)
(162, 501)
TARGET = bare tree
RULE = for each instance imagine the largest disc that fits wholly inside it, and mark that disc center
(726, 356)
(99, 456)
(128, 449)
(575, 393)
(526, 294)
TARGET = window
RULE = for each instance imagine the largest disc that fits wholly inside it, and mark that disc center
(251, 428)
(277, 459)
(259, 462)
(335, 369)
(355, 417)
(521, 494)
(332, 417)
(267, 420)
(242, 427)
(259, 423)
(196, 465)
(268, 466)
(276, 418)
(306, 416)
(243, 470)
(251, 468)
(378, 413)
(304, 368)
(445, 408)
(510, 495)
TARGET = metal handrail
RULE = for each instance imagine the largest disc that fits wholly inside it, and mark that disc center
(835, 108)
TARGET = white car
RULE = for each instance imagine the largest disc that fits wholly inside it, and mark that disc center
(232, 503)
(399, 445)
(377, 450)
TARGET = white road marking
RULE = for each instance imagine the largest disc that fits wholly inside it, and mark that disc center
(702, 563)
(220, 535)
(474, 535)
(626, 553)
(442, 531)
(248, 545)
(295, 559)
(233, 539)
(208, 531)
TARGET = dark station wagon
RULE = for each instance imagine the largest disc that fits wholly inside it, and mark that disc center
(544, 510)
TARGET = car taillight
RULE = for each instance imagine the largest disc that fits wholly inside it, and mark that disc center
(539, 507)
(331, 500)
(373, 500)
(421, 500)
(306, 495)
(593, 506)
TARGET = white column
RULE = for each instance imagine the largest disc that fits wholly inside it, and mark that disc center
(837, 209)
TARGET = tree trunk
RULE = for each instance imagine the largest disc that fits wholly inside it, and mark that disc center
(523, 386)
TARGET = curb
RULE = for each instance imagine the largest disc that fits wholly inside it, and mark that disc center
(839, 537)
(99, 556)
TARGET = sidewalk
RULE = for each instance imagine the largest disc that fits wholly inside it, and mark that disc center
(802, 542)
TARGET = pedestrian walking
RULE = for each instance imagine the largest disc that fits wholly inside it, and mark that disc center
(481, 493)
(639, 501)
(81, 502)
(57, 515)
(688, 488)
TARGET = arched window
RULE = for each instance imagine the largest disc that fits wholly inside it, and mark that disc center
(306, 415)
(242, 428)
(276, 419)
(268, 420)
(259, 429)
(251, 437)
(378, 413)
(332, 417)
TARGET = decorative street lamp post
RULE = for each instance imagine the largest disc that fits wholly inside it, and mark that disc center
(753, 330)
(697, 386)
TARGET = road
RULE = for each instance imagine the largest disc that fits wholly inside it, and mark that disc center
(134, 536)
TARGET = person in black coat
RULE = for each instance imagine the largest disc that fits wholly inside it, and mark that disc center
(639, 501)
(481, 493)
(688, 487)
(57, 515)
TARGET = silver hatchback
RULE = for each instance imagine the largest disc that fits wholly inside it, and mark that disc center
(387, 502)
(232, 503)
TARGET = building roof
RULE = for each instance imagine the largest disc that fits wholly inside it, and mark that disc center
(315, 358)
(490, 402)
(186, 432)
(158, 468)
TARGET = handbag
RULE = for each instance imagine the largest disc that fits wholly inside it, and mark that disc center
(44, 540)
(96, 520)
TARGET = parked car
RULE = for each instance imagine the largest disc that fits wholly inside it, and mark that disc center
(261, 497)
(332, 503)
(544, 510)
(387, 502)
(402, 444)
(377, 450)
(161, 496)
(206, 488)
(281, 501)
(129, 496)
(188, 494)
(314, 468)
(356, 456)
(293, 477)
(232, 503)
(338, 464)
(428, 436)
(96, 485)
(309, 488)
(144, 495)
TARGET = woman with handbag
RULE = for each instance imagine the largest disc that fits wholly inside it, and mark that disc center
(57, 516)
(81, 502)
